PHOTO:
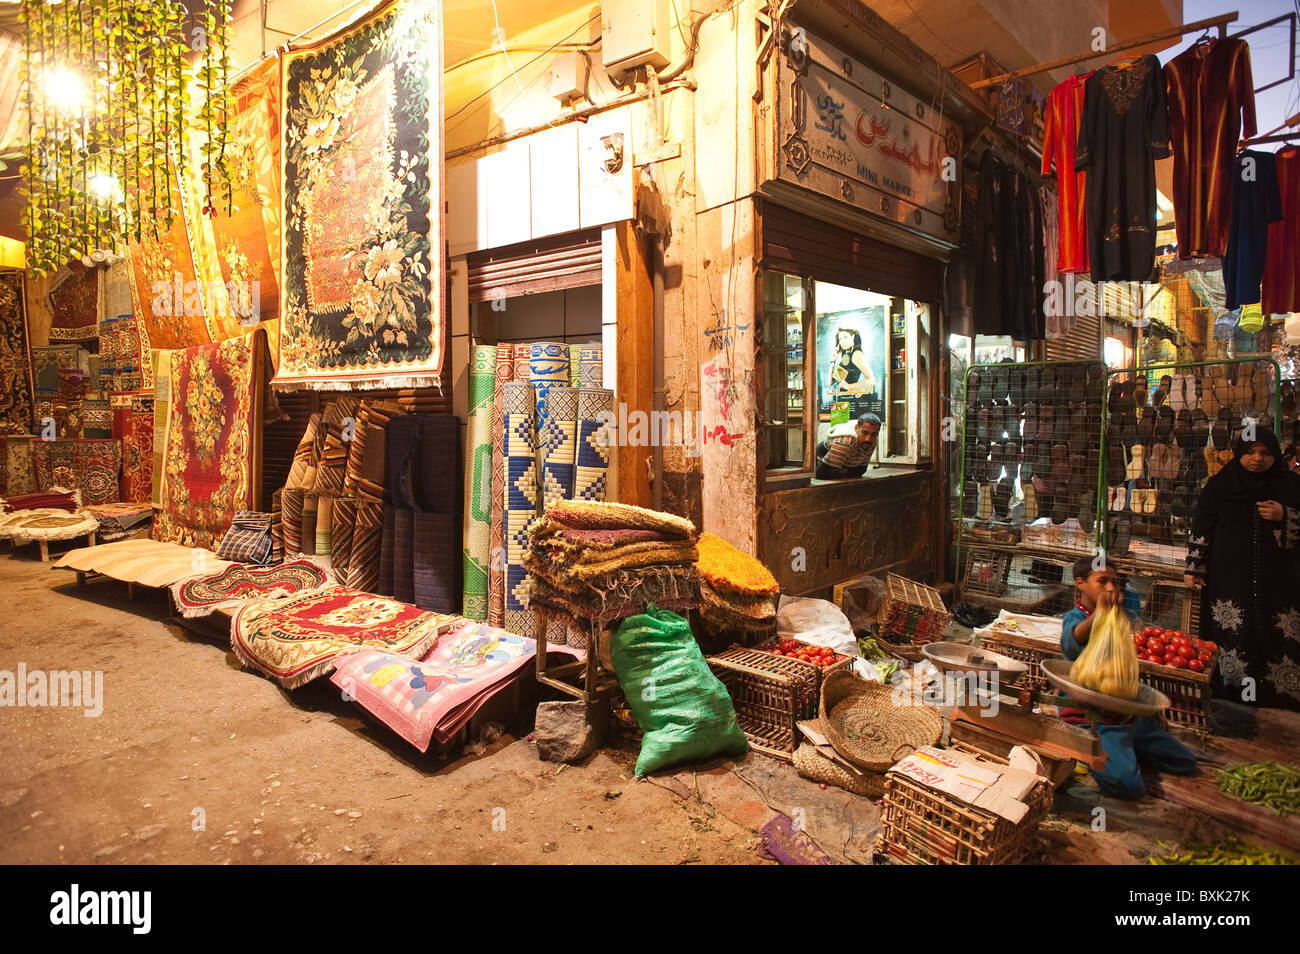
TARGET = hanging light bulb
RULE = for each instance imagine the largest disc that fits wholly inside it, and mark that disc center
(104, 187)
(65, 90)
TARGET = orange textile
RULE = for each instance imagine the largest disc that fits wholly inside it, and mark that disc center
(1060, 137)
(1211, 102)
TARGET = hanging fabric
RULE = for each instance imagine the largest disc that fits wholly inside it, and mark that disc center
(1211, 101)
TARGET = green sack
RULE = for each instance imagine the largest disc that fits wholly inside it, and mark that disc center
(682, 708)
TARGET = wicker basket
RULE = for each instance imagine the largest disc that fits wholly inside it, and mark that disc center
(921, 826)
(1028, 651)
(913, 613)
(770, 693)
(812, 765)
(1188, 692)
(864, 724)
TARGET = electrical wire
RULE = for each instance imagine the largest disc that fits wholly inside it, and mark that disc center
(500, 37)
(548, 50)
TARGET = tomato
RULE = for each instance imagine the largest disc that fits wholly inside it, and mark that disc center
(1212, 646)
(1156, 646)
(1139, 640)
(1195, 665)
(1178, 662)
(1180, 634)
(1186, 652)
(1204, 659)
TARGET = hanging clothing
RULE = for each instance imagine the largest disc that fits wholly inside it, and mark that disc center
(1282, 272)
(1122, 134)
(1250, 605)
(1256, 202)
(1054, 326)
(1211, 101)
(1061, 115)
(1008, 291)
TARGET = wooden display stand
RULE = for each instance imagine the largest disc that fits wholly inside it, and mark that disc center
(588, 686)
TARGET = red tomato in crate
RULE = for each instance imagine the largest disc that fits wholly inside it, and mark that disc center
(1139, 640)
(1212, 646)
(1178, 662)
(1186, 652)
(1196, 665)
(1156, 646)
(1204, 658)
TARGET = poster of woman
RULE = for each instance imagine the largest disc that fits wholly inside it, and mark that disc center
(851, 364)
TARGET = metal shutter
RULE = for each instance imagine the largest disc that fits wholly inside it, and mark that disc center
(551, 264)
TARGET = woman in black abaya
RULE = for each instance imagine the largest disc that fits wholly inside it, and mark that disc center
(1244, 555)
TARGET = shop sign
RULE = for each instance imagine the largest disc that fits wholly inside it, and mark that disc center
(846, 132)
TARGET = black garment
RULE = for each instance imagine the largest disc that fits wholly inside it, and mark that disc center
(1250, 604)
(1123, 132)
(852, 373)
(1256, 201)
(1008, 285)
(825, 471)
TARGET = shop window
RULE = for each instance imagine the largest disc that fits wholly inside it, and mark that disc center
(832, 353)
(1117, 353)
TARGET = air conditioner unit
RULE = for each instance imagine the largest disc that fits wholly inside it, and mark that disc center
(635, 33)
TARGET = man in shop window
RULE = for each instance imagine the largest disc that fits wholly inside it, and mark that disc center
(848, 449)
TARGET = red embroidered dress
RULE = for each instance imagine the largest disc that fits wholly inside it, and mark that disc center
(1060, 139)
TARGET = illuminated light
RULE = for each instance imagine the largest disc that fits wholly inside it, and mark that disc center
(65, 89)
(104, 187)
(1163, 203)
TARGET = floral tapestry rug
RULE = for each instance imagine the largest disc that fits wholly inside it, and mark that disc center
(212, 434)
(299, 638)
(363, 247)
(15, 360)
(238, 583)
(90, 466)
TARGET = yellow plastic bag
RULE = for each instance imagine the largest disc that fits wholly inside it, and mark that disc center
(1109, 663)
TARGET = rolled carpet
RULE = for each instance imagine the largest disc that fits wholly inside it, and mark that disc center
(309, 510)
(591, 460)
(363, 565)
(291, 501)
(476, 531)
(591, 515)
(343, 524)
(504, 372)
(557, 423)
(324, 523)
(520, 500)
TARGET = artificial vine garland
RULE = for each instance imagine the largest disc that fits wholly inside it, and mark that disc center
(107, 86)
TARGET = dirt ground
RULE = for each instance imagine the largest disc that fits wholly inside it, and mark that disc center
(196, 760)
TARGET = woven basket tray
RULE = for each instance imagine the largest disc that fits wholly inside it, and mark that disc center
(867, 728)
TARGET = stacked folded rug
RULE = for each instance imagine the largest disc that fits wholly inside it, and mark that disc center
(591, 564)
(117, 521)
(737, 593)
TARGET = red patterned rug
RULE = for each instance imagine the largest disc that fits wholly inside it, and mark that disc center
(90, 466)
(238, 583)
(211, 430)
(300, 638)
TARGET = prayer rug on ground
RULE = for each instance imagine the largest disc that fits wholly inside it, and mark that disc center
(213, 435)
(299, 638)
(238, 583)
(363, 247)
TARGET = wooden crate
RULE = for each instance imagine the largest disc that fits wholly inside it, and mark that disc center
(986, 572)
(921, 826)
(913, 613)
(771, 694)
(1028, 651)
(1188, 692)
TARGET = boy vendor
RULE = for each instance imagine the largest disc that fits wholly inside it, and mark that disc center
(1129, 742)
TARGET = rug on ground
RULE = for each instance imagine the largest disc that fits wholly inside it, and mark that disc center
(300, 638)
(237, 583)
